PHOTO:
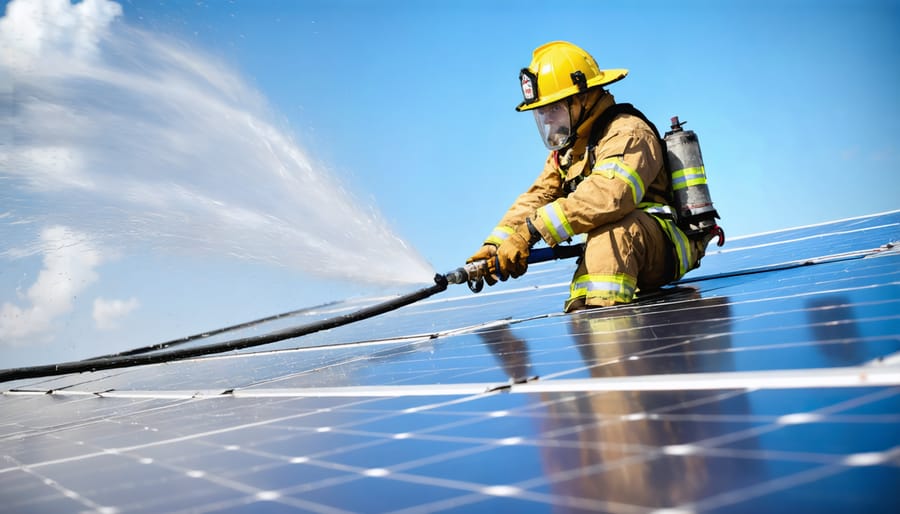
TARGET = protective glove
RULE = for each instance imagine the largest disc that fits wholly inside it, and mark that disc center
(512, 254)
(488, 253)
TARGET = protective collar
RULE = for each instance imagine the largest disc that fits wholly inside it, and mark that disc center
(572, 159)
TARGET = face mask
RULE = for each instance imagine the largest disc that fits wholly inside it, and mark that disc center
(554, 124)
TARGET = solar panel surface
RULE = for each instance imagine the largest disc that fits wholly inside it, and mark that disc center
(766, 381)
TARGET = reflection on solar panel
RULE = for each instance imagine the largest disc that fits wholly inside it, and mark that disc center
(767, 381)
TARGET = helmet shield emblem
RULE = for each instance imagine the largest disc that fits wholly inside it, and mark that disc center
(529, 85)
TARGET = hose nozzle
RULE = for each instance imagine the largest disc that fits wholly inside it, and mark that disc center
(472, 274)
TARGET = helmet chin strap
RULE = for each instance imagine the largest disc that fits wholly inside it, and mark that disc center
(583, 114)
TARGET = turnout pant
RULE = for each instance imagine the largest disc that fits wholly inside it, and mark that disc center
(620, 258)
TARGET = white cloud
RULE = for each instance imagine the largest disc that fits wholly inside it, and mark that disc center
(34, 32)
(108, 312)
(70, 259)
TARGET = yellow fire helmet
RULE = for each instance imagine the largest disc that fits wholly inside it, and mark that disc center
(559, 70)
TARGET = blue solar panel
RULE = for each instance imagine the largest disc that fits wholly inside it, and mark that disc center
(767, 380)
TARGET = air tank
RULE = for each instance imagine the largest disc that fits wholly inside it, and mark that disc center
(690, 192)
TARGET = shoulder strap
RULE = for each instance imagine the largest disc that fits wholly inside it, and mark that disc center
(609, 114)
(599, 127)
(616, 109)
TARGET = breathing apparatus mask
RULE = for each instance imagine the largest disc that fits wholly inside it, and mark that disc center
(554, 122)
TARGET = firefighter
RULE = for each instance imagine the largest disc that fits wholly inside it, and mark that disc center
(611, 185)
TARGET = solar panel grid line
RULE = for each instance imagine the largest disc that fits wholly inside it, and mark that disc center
(247, 494)
(410, 346)
(807, 238)
(80, 423)
(876, 395)
(64, 491)
(514, 492)
(462, 485)
(699, 445)
(632, 355)
(832, 291)
(733, 497)
(799, 344)
(517, 485)
(794, 262)
(853, 220)
(875, 240)
(520, 493)
(251, 503)
(773, 421)
(411, 339)
(733, 303)
(768, 299)
(773, 455)
(785, 344)
(410, 342)
(755, 431)
(252, 494)
(739, 495)
(520, 490)
(177, 439)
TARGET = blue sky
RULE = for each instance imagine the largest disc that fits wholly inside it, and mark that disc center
(795, 102)
(410, 105)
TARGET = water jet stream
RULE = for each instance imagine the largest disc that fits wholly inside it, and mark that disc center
(141, 143)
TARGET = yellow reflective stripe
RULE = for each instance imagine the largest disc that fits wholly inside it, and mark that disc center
(618, 287)
(682, 246)
(556, 222)
(499, 235)
(688, 177)
(623, 172)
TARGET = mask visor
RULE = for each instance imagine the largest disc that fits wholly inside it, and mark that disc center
(554, 124)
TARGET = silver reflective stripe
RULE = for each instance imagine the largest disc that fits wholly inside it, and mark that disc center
(499, 235)
(618, 287)
(626, 174)
(688, 177)
(556, 222)
(663, 210)
(593, 285)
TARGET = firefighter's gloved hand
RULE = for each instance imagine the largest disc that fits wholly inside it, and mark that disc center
(487, 253)
(512, 254)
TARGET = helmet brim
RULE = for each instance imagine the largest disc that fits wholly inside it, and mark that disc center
(604, 78)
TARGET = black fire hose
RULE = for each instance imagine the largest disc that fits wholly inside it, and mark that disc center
(150, 355)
